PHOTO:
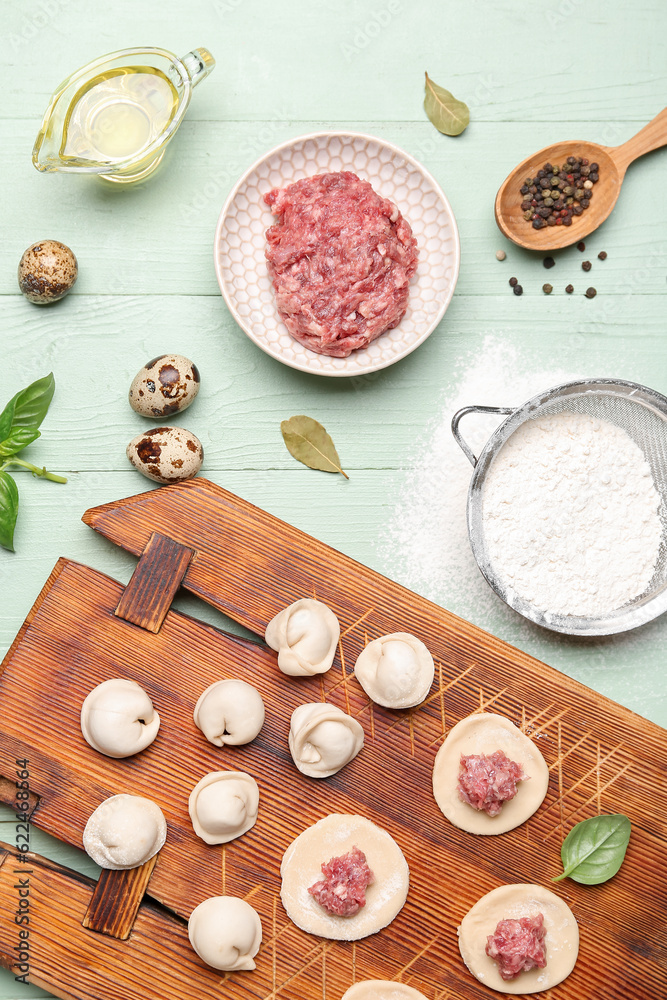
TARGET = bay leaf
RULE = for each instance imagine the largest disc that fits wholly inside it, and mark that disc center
(448, 115)
(308, 442)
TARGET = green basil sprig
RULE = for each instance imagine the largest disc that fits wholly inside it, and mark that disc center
(594, 849)
(19, 422)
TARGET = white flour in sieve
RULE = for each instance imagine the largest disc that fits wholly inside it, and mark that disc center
(570, 515)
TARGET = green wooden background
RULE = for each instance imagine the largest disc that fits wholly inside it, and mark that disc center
(531, 74)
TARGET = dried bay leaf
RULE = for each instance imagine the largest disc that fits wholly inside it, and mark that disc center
(448, 115)
(308, 442)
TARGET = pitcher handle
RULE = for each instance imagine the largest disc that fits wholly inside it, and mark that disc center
(199, 63)
(456, 420)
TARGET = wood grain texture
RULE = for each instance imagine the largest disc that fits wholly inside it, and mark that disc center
(154, 583)
(76, 964)
(601, 757)
(116, 899)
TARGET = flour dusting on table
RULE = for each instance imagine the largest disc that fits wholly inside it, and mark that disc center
(424, 543)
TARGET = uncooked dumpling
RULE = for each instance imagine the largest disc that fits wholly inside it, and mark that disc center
(230, 712)
(305, 636)
(512, 902)
(322, 739)
(118, 718)
(333, 837)
(124, 832)
(223, 805)
(226, 933)
(482, 734)
(396, 670)
(382, 989)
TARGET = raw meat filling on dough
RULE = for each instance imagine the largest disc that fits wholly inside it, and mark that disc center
(488, 780)
(343, 889)
(518, 946)
(340, 258)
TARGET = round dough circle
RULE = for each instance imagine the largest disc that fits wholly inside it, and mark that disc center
(513, 902)
(226, 933)
(382, 989)
(396, 670)
(483, 734)
(223, 806)
(124, 832)
(229, 712)
(331, 837)
(118, 718)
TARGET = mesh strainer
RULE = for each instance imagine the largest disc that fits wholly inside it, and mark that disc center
(639, 411)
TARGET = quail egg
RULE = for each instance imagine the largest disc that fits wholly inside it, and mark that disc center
(47, 272)
(166, 454)
(165, 385)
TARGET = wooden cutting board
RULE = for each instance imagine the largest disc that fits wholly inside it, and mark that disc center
(602, 757)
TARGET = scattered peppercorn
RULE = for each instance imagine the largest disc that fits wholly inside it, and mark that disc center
(548, 262)
(602, 255)
(590, 293)
(586, 265)
(500, 255)
(514, 282)
(518, 290)
(581, 246)
(547, 289)
(554, 196)
(569, 289)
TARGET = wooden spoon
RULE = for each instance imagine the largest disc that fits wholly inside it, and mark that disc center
(613, 161)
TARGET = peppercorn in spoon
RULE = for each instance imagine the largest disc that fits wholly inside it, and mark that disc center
(600, 197)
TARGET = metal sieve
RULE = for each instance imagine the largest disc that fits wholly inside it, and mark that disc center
(639, 411)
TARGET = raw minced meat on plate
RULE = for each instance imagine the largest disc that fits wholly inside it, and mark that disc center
(340, 258)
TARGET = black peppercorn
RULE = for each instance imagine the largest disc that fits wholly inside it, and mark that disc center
(518, 290)
(586, 266)
(581, 246)
(602, 255)
(569, 289)
(514, 281)
(547, 289)
(591, 293)
(548, 262)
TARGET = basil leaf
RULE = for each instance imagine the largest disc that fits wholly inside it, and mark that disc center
(448, 115)
(7, 419)
(308, 442)
(594, 849)
(17, 440)
(9, 508)
(31, 404)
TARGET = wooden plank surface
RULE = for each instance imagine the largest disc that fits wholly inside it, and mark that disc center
(602, 757)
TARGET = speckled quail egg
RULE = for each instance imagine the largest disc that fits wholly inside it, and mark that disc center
(166, 454)
(47, 272)
(165, 385)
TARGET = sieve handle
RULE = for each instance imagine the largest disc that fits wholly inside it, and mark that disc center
(456, 420)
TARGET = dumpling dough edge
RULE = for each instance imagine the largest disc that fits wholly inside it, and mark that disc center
(330, 837)
(485, 732)
(515, 901)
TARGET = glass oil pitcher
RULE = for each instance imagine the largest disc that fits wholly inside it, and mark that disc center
(115, 116)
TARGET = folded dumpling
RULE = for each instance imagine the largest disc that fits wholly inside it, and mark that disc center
(226, 933)
(322, 739)
(118, 718)
(396, 670)
(305, 636)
